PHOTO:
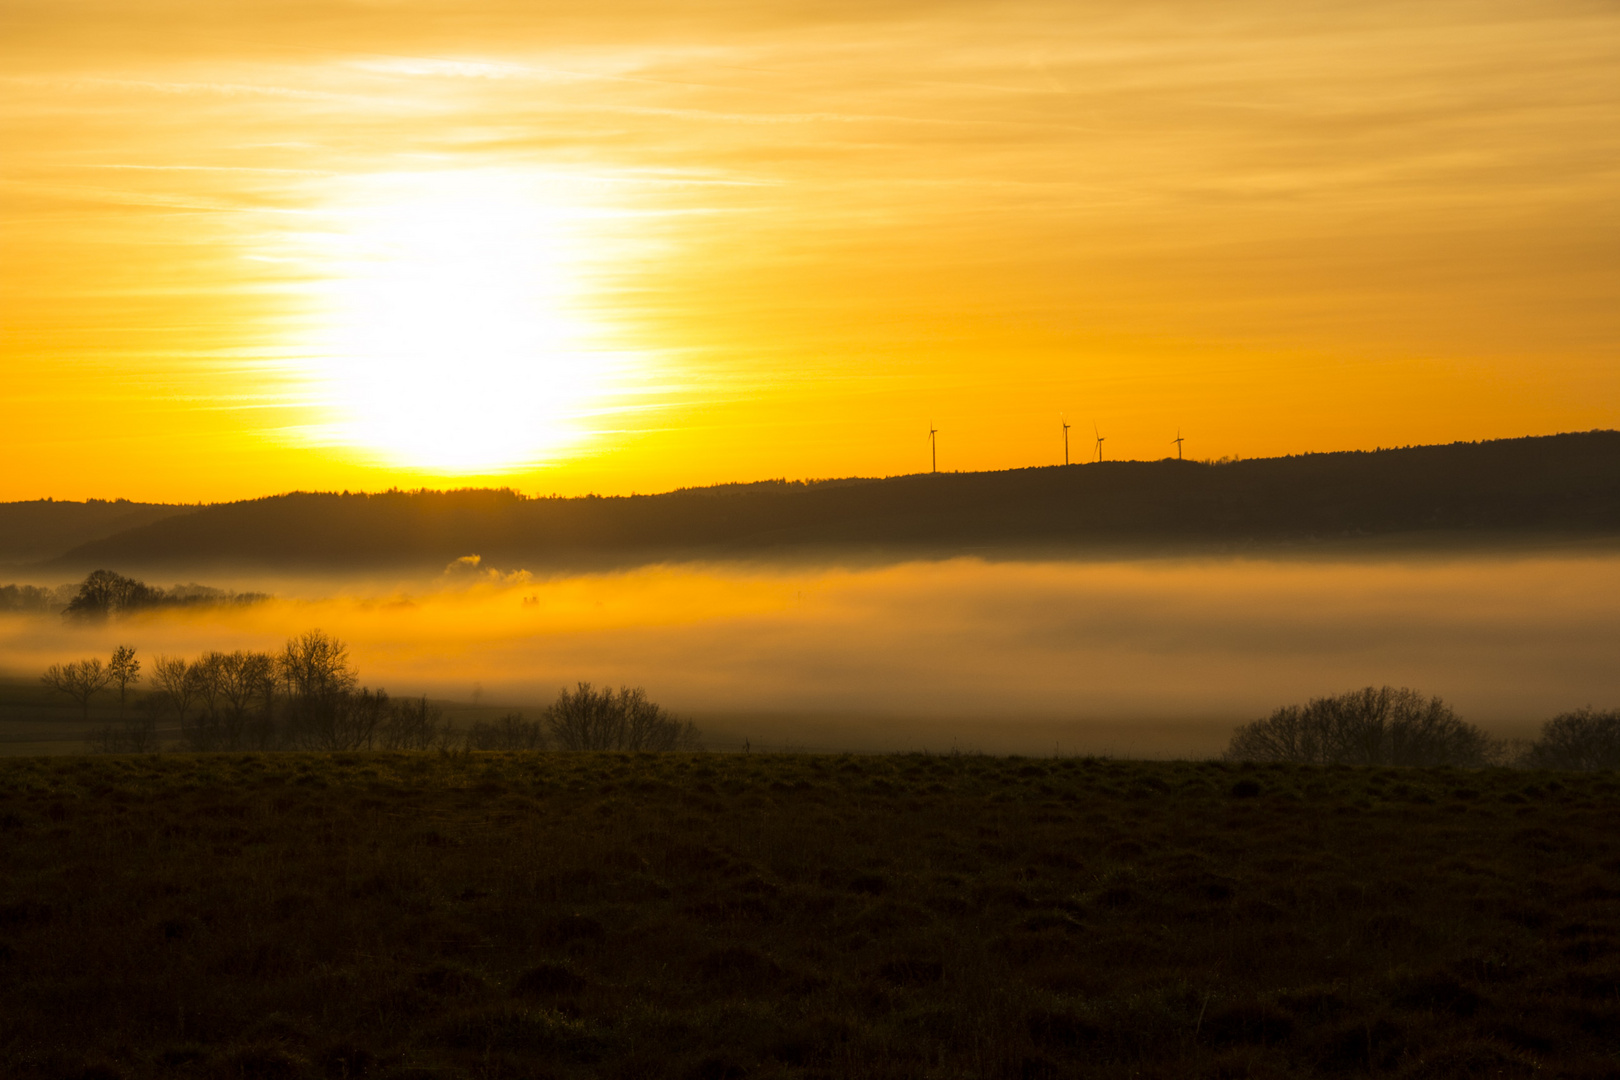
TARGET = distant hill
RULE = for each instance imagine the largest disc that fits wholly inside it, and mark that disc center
(42, 529)
(1567, 484)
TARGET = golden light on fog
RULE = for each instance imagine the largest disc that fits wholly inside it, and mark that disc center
(449, 334)
(981, 645)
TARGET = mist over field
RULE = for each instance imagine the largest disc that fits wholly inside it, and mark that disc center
(1144, 657)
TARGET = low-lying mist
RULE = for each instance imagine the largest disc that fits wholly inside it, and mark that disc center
(1145, 657)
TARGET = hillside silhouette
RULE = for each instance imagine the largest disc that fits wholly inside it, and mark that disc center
(42, 528)
(1566, 484)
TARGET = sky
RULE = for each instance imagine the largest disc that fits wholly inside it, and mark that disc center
(256, 247)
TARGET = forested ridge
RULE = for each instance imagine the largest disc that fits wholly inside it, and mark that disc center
(1561, 483)
(43, 528)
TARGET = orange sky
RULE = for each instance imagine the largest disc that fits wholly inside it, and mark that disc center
(252, 247)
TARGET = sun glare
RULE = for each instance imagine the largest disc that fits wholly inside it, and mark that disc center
(453, 335)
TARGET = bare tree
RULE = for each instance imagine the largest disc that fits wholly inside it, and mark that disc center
(412, 724)
(510, 732)
(363, 716)
(1373, 726)
(1582, 739)
(246, 683)
(208, 676)
(590, 719)
(348, 722)
(647, 726)
(80, 681)
(175, 683)
(205, 732)
(585, 719)
(123, 670)
(316, 678)
(237, 693)
(316, 666)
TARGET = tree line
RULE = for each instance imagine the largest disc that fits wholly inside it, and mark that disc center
(1389, 726)
(104, 593)
(308, 697)
(36, 598)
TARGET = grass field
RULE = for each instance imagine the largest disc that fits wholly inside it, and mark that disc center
(713, 916)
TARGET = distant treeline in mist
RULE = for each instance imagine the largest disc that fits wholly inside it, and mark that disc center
(1564, 483)
(104, 593)
(309, 697)
(1386, 726)
(36, 599)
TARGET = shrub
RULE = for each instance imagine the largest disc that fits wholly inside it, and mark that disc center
(589, 719)
(510, 732)
(1582, 739)
(412, 724)
(1373, 726)
(137, 736)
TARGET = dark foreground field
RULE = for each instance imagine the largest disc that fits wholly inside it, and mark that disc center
(728, 916)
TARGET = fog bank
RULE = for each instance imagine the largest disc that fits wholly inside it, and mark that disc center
(1130, 657)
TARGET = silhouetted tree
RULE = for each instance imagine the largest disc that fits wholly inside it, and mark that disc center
(123, 670)
(104, 592)
(96, 595)
(204, 732)
(317, 679)
(316, 665)
(237, 693)
(412, 724)
(589, 719)
(350, 721)
(584, 719)
(80, 681)
(1583, 739)
(175, 683)
(1373, 726)
(246, 682)
(648, 726)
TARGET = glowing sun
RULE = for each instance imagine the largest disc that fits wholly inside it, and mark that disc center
(451, 335)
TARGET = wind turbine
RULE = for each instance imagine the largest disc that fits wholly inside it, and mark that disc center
(1100, 438)
(1065, 424)
(933, 447)
(1177, 440)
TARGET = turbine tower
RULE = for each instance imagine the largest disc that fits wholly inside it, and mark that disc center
(1178, 441)
(1065, 424)
(1100, 438)
(933, 447)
